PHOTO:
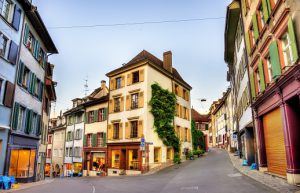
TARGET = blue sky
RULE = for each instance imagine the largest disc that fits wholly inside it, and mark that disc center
(197, 47)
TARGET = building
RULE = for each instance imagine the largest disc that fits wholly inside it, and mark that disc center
(49, 97)
(94, 143)
(130, 120)
(212, 125)
(272, 42)
(202, 124)
(235, 56)
(229, 111)
(56, 147)
(36, 43)
(11, 20)
(74, 137)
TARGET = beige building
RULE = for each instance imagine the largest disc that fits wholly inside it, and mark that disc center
(130, 118)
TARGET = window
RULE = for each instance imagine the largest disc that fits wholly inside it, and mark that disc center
(100, 139)
(69, 136)
(89, 140)
(26, 78)
(49, 139)
(21, 119)
(261, 19)
(135, 77)
(270, 73)
(67, 152)
(251, 37)
(115, 158)
(287, 49)
(116, 131)
(101, 116)
(117, 104)
(22, 163)
(176, 89)
(34, 124)
(134, 129)
(257, 81)
(71, 152)
(77, 152)
(41, 56)
(91, 116)
(78, 135)
(118, 82)
(5, 7)
(3, 44)
(30, 41)
(135, 101)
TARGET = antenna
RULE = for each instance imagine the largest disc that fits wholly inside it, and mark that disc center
(86, 87)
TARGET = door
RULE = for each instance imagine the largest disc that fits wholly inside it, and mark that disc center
(274, 141)
(123, 159)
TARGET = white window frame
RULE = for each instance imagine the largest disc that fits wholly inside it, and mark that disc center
(287, 48)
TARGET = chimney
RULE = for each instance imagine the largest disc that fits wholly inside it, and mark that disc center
(103, 84)
(167, 63)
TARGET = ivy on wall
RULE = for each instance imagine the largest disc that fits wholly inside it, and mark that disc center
(197, 137)
(163, 103)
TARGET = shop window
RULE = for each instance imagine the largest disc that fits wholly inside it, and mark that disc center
(115, 162)
(135, 101)
(133, 162)
(134, 129)
(117, 104)
(116, 131)
(22, 163)
(135, 77)
(98, 162)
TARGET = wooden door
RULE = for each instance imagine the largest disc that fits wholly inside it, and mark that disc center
(274, 141)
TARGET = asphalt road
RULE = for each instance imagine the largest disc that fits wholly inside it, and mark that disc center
(213, 173)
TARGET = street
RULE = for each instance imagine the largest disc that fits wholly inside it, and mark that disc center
(212, 173)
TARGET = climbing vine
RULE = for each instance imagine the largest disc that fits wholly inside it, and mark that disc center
(197, 137)
(163, 103)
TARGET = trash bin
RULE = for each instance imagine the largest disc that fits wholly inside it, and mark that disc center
(6, 183)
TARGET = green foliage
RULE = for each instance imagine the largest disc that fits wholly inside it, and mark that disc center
(177, 159)
(163, 103)
(198, 137)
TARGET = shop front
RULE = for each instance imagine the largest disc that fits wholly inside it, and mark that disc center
(47, 169)
(94, 162)
(74, 169)
(125, 159)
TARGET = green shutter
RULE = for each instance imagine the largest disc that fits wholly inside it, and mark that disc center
(104, 140)
(26, 32)
(20, 73)
(275, 62)
(247, 43)
(16, 116)
(261, 76)
(94, 140)
(252, 86)
(95, 115)
(255, 27)
(36, 49)
(84, 141)
(265, 10)
(293, 40)
(41, 91)
(105, 113)
(244, 6)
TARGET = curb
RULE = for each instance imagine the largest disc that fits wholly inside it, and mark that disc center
(33, 184)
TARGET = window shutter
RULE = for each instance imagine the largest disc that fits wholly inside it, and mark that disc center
(122, 81)
(261, 76)
(127, 130)
(129, 79)
(266, 12)
(86, 117)
(293, 40)
(105, 113)
(141, 75)
(41, 91)
(104, 140)
(128, 102)
(95, 116)
(20, 73)
(255, 26)
(111, 106)
(16, 18)
(122, 104)
(253, 93)
(13, 53)
(26, 33)
(36, 49)
(84, 141)
(112, 86)
(9, 94)
(182, 112)
(109, 132)
(94, 140)
(141, 99)
(140, 129)
(38, 125)
(247, 43)
(244, 7)
(120, 131)
(45, 60)
(29, 81)
(15, 116)
(275, 62)
(28, 123)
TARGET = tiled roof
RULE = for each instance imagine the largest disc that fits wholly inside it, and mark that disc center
(197, 117)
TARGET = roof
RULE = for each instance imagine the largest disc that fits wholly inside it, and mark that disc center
(232, 19)
(36, 21)
(197, 117)
(221, 101)
(146, 56)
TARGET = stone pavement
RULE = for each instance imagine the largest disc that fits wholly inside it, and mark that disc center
(29, 185)
(274, 182)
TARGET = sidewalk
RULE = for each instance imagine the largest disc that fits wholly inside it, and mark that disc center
(273, 182)
(29, 185)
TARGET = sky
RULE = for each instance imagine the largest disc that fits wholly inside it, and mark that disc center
(89, 53)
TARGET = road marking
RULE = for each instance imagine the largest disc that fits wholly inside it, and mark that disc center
(93, 187)
(190, 188)
(235, 175)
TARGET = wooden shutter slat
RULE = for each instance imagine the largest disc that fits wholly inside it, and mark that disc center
(128, 102)
(140, 129)
(261, 76)
(129, 81)
(275, 62)
(127, 130)
(122, 104)
(111, 106)
(109, 132)
(95, 116)
(141, 75)
(141, 99)
(112, 87)
(120, 131)
(255, 26)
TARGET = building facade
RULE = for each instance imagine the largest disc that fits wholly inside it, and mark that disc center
(131, 121)
(23, 144)
(95, 136)
(11, 21)
(272, 41)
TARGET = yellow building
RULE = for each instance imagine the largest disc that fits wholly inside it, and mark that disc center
(131, 121)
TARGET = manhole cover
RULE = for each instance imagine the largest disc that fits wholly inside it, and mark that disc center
(235, 175)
